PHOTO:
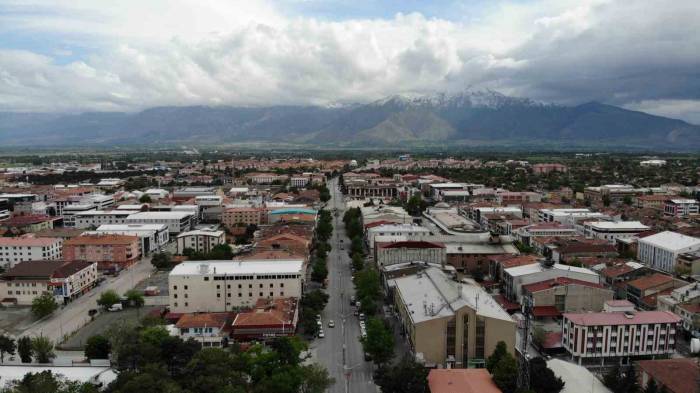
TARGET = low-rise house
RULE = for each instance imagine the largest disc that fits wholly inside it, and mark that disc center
(209, 329)
(29, 223)
(597, 337)
(202, 241)
(65, 280)
(110, 251)
(269, 319)
(670, 375)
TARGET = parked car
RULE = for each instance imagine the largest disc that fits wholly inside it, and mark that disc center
(362, 316)
(321, 334)
(116, 307)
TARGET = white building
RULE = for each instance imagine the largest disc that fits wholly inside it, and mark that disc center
(569, 216)
(157, 193)
(200, 241)
(515, 277)
(299, 181)
(610, 231)
(681, 207)
(95, 218)
(177, 221)
(30, 279)
(28, 248)
(614, 335)
(660, 251)
(651, 163)
(69, 212)
(215, 286)
(152, 236)
(393, 230)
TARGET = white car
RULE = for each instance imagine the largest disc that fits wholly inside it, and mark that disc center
(321, 334)
(331, 324)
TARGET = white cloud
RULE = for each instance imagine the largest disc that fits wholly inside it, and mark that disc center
(248, 53)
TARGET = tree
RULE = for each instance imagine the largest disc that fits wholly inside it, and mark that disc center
(379, 342)
(145, 198)
(108, 298)
(220, 252)
(44, 305)
(162, 260)
(315, 379)
(7, 346)
(134, 298)
(24, 349)
(542, 378)
(97, 347)
(358, 262)
(612, 378)
(498, 353)
(407, 376)
(47, 382)
(319, 270)
(43, 349)
(505, 374)
(627, 200)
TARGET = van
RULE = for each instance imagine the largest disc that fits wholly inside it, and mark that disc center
(116, 307)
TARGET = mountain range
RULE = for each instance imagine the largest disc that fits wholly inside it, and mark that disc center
(471, 118)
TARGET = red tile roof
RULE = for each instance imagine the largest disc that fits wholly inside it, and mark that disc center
(555, 282)
(677, 375)
(214, 319)
(27, 220)
(651, 281)
(101, 240)
(621, 318)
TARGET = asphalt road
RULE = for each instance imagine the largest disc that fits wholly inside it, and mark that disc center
(340, 351)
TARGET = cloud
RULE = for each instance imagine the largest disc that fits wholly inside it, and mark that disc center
(640, 54)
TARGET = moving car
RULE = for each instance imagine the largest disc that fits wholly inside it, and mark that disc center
(321, 334)
(331, 324)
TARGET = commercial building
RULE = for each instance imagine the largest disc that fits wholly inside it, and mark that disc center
(597, 337)
(152, 236)
(222, 286)
(611, 231)
(515, 278)
(95, 218)
(661, 251)
(176, 221)
(110, 251)
(681, 207)
(447, 322)
(390, 253)
(243, 216)
(65, 280)
(200, 241)
(552, 297)
(269, 319)
(392, 230)
(28, 248)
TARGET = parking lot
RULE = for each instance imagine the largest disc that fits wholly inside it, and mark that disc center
(14, 320)
(102, 322)
(157, 279)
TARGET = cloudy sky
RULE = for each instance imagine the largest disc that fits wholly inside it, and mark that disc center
(79, 55)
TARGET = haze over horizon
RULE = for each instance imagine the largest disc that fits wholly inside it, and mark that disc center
(96, 56)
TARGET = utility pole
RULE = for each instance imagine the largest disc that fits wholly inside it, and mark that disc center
(523, 363)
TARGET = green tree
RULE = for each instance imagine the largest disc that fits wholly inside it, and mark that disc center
(108, 298)
(379, 342)
(627, 200)
(315, 379)
(134, 298)
(162, 260)
(319, 270)
(505, 374)
(97, 347)
(47, 382)
(24, 349)
(145, 198)
(542, 378)
(44, 305)
(7, 346)
(358, 262)
(612, 378)
(43, 349)
(220, 252)
(652, 387)
(407, 376)
(498, 353)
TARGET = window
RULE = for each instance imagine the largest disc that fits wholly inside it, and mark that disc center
(250, 294)
(272, 285)
(174, 287)
(185, 287)
(261, 286)
(206, 278)
(240, 294)
(281, 285)
(175, 296)
(271, 294)
(186, 304)
(218, 295)
(450, 335)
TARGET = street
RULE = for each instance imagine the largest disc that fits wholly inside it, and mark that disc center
(340, 351)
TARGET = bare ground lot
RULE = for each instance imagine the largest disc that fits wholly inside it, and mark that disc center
(14, 320)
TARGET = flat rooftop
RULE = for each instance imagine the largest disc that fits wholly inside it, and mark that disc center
(264, 266)
(670, 240)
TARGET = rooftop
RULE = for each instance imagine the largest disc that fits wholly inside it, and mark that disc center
(260, 266)
(622, 318)
(101, 240)
(537, 268)
(620, 225)
(211, 319)
(555, 282)
(475, 380)
(670, 241)
(202, 233)
(28, 241)
(172, 215)
(675, 374)
(651, 281)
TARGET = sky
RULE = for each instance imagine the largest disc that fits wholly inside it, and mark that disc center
(128, 55)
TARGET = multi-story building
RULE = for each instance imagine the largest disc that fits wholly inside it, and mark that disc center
(689, 263)
(110, 251)
(506, 198)
(65, 280)
(546, 229)
(95, 218)
(547, 168)
(28, 248)
(222, 286)
(447, 322)
(644, 290)
(210, 207)
(681, 207)
(551, 298)
(516, 277)
(200, 241)
(186, 193)
(243, 216)
(392, 230)
(570, 216)
(176, 221)
(391, 253)
(152, 236)
(613, 192)
(611, 231)
(661, 251)
(651, 201)
(29, 223)
(619, 335)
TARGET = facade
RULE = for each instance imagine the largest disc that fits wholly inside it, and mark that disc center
(681, 207)
(176, 221)
(209, 329)
(449, 323)
(200, 241)
(661, 251)
(409, 251)
(222, 286)
(392, 230)
(95, 218)
(243, 216)
(28, 248)
(516, 277)
(65, 280)
(613, 335)
(153, 236)
(269, 319)
(611, 231)
(110, 251)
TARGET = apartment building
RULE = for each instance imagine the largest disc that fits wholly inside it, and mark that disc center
(611, 231)
(95, 218)
(222, 286)
(28, 248)
(540, 169)
(243, 216)
(176, 221)
(681, 207)
(390, 253)
(152, 236)
(200, 241)
(110, 251)
(449, 323)
(552, 297)
(597, 337)
(661, 251)
(28, 280)
(516, 277)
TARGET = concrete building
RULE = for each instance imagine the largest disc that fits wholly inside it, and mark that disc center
(644, 291)
(70, 211)
(468, 257)
(243, 216)
(391, 253)
(450, 323)
(611, 231)
(28, 248)
(681, 207)
(597, 337)
(540, 169)
(222, 286)
(613, 192)
(29, 223)
(200, 241)
(689, 262)
(570, 216)
(176, 221)
(152, 236)
(95, 218)
(516, 277)
(392, 230)
(65, 280)
(110, 251)
(209, 329)
(552, 297)
(210, 207)
(652, 163)
(661, 251)
(191, 192)
(157, 193)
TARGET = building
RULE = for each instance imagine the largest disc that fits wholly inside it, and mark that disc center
(689, 262)
(681, 207)
(644, 290)
(569, 216)
(221, 286)
(210, 207)
(540, 169)
(292, 214)
(392, 230)
(95, 218)
(29, 223)
(526, 234)
(475, 380)
(516, 277)
(176, 221)
(243, 216)
(652, 163)
(153, 236)
(552, 297)
(597, 337)
(110, 251)
(611, 192)
(661, 251)
(209, 329)
(200, 241)
(448, 322)
(611, 231)
(390, 253)
(269, 318)
(673, 375)
(186, 193)
(651, 201)
(470, 256)
(157, 193)
(65, 280)
(28, 248)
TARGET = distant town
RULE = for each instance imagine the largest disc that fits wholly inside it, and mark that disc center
(316, 272)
